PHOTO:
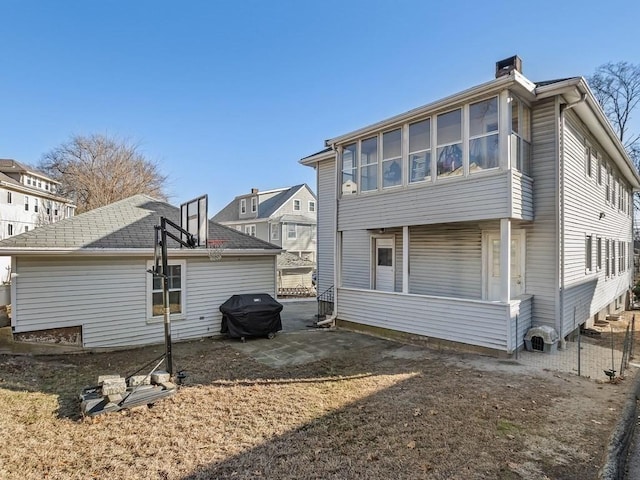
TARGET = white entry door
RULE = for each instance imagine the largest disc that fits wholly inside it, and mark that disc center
(492, 275)
(384, 264)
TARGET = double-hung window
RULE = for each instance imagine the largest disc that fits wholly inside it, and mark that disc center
(607, 258)
(587, 160)
(598, 253)
(296, 205)
(9, 197)
(312, 206)
(250, 230)
(26, 203)
(369, 164)
(607, 186)
(175, 277)
(420, 151)
(484, 152)
(9, 229)
(392, 158)
(449, 143)
(292, 232)
(275, 231)
(254, 204)
(243, 206)
(588, 253)
(349, 169)
(35, 205)
(613, 257)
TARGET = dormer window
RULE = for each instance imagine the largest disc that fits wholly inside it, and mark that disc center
(243, 206)
(254, 204)
(28, 180)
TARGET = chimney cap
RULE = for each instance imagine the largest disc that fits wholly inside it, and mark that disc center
(506, 66)
(254, 190)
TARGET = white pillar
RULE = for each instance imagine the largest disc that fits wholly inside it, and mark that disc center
(505, 260)
(405, 259)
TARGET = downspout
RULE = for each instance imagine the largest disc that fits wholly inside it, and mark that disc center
(562, 109)
(332, 319)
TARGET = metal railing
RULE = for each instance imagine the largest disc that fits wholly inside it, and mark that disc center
(325, 303)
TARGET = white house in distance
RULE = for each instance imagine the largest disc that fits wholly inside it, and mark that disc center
(506, 204)
(85, 279)
(285, 217)
(28, 200)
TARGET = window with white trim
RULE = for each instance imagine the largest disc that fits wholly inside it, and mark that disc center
(250, 230)
(9, 197)
(420, 151)
(607, 258)
(254, 204)
(607, 186)
(449, 144)
(484, 152)
(621, 258)
(521, 135)
(275, 231)
(588, 253)
(392, 158)
(587, 160)
(9, 229)
(613, 257)
(369, 164)
(349, 169)
(599, 166)
(312, 206)
(243, 206)
(598, 253)
(176, 272)
(26, 228)
(296, 205)
(26, 203)
(292, 231)
(35, 204)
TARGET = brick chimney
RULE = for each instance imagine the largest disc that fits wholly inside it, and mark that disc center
(506, 66)
(254, 190)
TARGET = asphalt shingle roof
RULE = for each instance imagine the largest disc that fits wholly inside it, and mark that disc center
(126, 224)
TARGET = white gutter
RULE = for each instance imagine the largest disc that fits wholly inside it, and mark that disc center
(133, 252)
(336, 266)
(447, 102)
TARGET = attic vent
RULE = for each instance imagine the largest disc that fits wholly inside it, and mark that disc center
(506, 66)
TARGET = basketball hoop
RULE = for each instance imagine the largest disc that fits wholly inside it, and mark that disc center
(215, 249)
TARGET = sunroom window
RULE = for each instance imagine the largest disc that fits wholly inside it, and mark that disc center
(420, 151)
(349, 168)
(449, 150)
(392, 158)
(520, 136)
(369, 164)
(483, 135)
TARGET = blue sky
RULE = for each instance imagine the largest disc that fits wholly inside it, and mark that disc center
(229, 95)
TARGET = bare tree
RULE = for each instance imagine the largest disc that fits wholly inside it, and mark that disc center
(616, 86)
(96, 170)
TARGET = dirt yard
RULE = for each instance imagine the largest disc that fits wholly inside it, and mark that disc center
(363, 414)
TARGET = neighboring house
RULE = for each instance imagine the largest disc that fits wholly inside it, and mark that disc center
(86, 278)
(285, 217)
(28, 200)
(507, 205)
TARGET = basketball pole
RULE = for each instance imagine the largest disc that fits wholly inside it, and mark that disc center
(165, 297)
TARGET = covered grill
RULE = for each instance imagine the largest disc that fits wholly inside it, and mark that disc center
(251, 315)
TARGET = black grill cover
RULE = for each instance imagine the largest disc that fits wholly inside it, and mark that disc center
(251, 315)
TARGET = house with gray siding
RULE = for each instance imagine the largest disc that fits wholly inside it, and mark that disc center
(475, 217)
(285, 217)
(85, 279)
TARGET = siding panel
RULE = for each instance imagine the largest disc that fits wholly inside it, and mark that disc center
(326, 228)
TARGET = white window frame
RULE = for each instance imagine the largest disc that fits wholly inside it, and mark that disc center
(297, 205)
(398, 159)
(588, 254)
(428, 150)
(254, 204)
(250, 229)
(26, 203)
(375, 164)
(466, 124)
(588, 170)
(598, 253)
(311, 207)
(9, 197)
(35, 204)
(275, 231)
(290, 231)
(243, 206)
(10, 229)
(183, 295)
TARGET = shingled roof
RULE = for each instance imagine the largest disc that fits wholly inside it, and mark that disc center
(126, 224)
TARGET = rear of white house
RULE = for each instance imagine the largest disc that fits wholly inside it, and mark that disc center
(478, 216)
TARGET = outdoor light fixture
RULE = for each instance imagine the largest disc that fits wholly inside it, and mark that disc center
(601, 215)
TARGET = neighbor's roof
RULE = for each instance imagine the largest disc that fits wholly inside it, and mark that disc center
(266, 208)
(126, 224)
(8, 165)
(291, 260)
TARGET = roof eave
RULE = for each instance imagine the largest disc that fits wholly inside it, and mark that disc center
(132, 252)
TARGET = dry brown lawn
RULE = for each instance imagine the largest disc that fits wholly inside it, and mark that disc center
(362, 414)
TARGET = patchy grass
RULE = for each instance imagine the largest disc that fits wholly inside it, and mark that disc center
(358, 415)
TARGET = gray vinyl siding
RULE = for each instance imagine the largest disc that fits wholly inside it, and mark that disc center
(522, 188)
(356, 259)
(523, 322)
(108, 297)
(305, 241)
(542, 239)
(586, 293)
(446, 260)
(453, 200)
(466, 321)
(326, 228)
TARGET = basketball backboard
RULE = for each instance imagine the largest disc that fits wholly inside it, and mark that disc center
(193, 219)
